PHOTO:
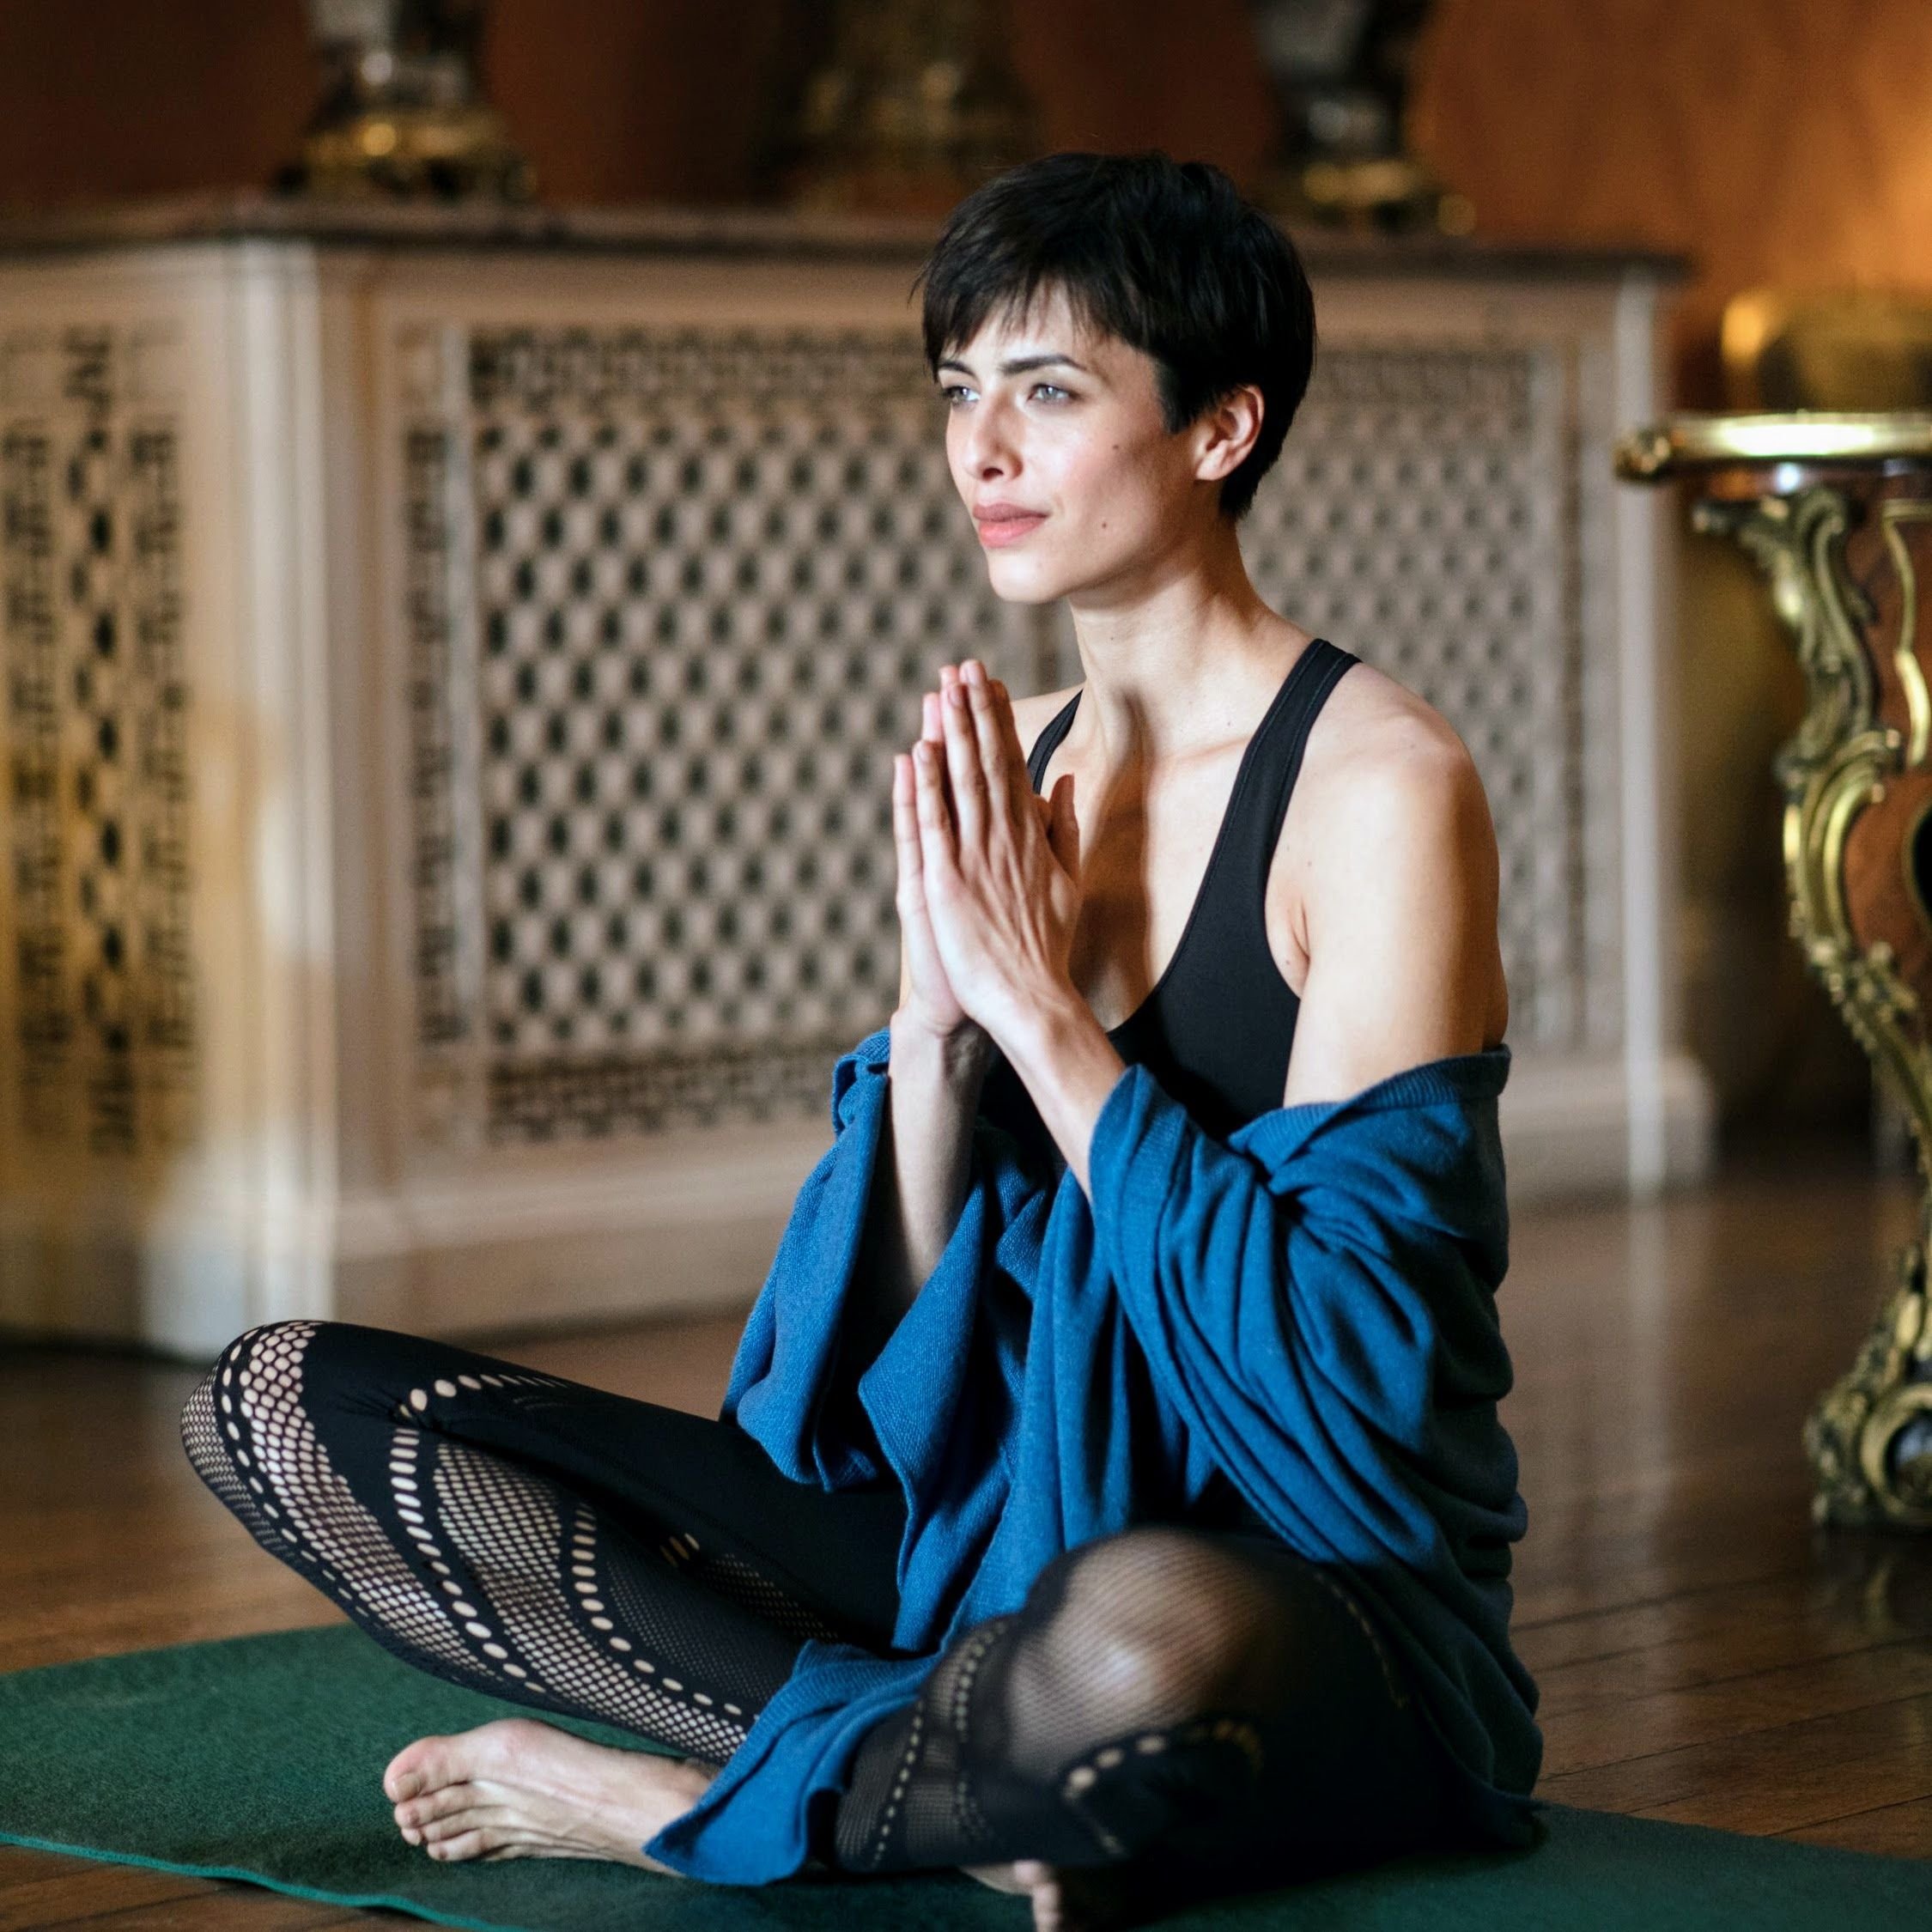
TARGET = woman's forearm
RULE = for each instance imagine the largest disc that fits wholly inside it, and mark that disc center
(924, 1170)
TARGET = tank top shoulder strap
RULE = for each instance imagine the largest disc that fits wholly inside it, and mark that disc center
(1279, 743)
(1044, 746)
(1255, 829)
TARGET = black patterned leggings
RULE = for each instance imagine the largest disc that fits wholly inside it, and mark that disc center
(1207, 1705)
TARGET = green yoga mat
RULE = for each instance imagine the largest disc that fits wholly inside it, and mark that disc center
(260, 1758)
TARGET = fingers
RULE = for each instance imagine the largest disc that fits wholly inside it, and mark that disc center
(905, 834)
(977, 756)
(1008, 728)
(970, 801)
(932, 728)
(910, 897)
(984, 763)
(935, 826)
(1065, 825)
(993, 729)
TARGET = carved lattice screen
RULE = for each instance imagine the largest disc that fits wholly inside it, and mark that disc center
(673, 598)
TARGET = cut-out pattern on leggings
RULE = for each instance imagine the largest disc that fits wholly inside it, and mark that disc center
(1157, 1688)
(489, 1572)
(1207, 1705)
(245, 1431)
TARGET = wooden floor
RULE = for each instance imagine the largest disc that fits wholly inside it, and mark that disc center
(1703, 1654)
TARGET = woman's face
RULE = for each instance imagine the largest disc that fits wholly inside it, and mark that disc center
(1058, 448)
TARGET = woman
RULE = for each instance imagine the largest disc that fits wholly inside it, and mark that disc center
(1109, 1496)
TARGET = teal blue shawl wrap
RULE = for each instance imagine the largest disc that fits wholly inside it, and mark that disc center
(1307, 1307)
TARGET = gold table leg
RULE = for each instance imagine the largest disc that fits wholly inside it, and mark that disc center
(1836, 512)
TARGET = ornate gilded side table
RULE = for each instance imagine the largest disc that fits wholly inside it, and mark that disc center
(1836, 511)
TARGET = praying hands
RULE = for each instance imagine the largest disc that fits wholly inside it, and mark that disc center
(989, 894)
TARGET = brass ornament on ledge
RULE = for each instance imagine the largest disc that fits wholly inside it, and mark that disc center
(1341, 73)
(402, 115)
(915, 103)
(1836, 510)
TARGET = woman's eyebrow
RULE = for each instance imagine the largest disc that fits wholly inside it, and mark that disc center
(1018, 365)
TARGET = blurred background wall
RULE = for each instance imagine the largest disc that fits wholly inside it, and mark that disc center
(1704, 125)
(1775, 142)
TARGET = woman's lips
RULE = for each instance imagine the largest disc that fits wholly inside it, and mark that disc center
(996, 531)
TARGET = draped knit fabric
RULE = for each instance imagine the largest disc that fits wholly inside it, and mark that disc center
(1305, 1309)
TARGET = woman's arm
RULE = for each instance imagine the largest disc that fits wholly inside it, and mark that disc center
(1399, 885)
(923, 1167)
(921, 1175)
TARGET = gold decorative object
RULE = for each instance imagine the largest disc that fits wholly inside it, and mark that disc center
(1836, 509)
(1826, 349)
(915, 105)
(401, 114)
(1340, 70)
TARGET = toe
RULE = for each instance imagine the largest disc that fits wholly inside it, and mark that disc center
(416, 1768)
(466, 1844)
(1048, 1915)
(442, 1803)
(457, 1821)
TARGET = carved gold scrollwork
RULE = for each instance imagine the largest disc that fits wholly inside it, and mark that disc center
(1911, 676)
(1870, 1438)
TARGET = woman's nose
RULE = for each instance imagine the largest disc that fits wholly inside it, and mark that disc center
(989, 445)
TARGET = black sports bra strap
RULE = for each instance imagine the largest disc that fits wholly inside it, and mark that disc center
(1309, 680)
(1277, 763)
(1048, 743)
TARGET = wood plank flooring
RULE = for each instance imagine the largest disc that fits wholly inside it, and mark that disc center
(1705, 1655)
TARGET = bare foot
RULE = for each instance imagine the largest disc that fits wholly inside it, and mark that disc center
(521, 1788)
(1080, 1899)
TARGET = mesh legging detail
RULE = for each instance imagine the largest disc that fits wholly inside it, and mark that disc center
(1207, 1705)
(1159, 1688)
(272, 1474)
(485, 1570)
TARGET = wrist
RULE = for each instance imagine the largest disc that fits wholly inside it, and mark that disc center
(1046, 1024)
(959, 1056)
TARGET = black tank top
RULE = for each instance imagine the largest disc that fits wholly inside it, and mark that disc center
(1216, 1029)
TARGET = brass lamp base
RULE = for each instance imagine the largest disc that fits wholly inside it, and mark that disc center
(401, 114)
(1388, 194)
(456, 154)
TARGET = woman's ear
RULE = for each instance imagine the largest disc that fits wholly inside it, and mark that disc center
(1226, 431)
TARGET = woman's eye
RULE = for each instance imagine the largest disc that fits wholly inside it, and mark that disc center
(1052, 392)
(953, 391)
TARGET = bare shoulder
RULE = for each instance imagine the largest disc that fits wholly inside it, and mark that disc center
(1389, 795)
(1389, 899)
(1379, 754)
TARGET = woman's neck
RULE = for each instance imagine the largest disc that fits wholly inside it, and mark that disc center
(1187, 657)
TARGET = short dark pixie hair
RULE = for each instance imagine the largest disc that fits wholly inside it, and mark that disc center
(1166, 255)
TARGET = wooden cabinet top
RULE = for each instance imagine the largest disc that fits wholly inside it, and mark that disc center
(765, 233)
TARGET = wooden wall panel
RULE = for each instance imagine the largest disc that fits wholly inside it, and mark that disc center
(1775, 141)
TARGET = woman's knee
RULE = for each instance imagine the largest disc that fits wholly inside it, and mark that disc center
(314, 1360)
(249, 1370)
(268, 1373)
(1151, 1627)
